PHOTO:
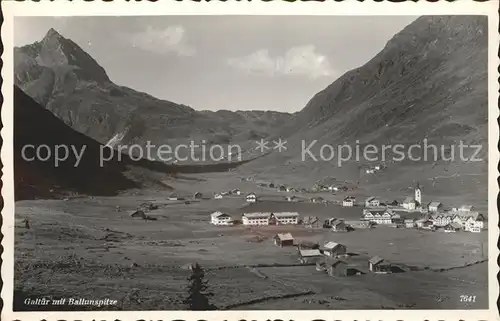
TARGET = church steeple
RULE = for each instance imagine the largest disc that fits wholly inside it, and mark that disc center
(418, 194)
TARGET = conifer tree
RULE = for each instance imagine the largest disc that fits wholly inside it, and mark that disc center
(197, 299)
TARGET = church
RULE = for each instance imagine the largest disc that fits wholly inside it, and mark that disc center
(414, 203)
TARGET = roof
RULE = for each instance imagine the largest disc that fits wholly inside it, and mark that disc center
(331, 245)
(409, 199)
(257, 215)
(309, 252)
(137, 213)
(337, 222)
(349, 198)
(218, 214)
(285, 214)
(251, 194)
(285, 236)
(434, 204)
(455, 225)
(375, 260)
(371, 198)
(467, 207)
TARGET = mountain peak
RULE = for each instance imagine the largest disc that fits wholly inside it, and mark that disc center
(53, 34)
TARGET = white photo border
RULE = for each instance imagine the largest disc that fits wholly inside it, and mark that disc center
(12, 9)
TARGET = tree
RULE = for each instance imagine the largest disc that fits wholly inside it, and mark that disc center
(197, 300)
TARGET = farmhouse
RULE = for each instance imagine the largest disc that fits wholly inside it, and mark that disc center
(197, 195)
(311, 221)
(378, 265)
(470, 221)
(372, 202)
(442, 219)
(218, 196)
(337, 268)
(221, 218)
(409, 203)
(349, 201)
(292, 198)
(334, 249)
(452, 227)
(282, 188)
(434, 206)
(425, 224)
(464, 209)
(290, 189)
(268, 218)
(339, 226)
(236, 191)
(309, 256)
(252, 198)
(174, 197)
(285, 239)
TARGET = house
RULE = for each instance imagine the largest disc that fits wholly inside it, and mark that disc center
(410, 223)
(138, 214)
(425, 224)
(282, 188)
(377, 167)
(174, 197)
(434, 206)
(311, 221)
(285, 239)
(292, 198)
(339, 226)
(284, 218)
(349, 201)
(372, 202)
(380, 216)
(290, 189)
(470, 221)
(328, 222)
(236, 191)
(452, 227)
(197, 195)
(337, 268)
(256, 218)
(409, 203)
(359, 224)
(251, 198)
(394, 203)
(221, 218)
(310, 256)
(308, 245)
(378, 265)
(333, 249)
(442, 219)
(218, 196)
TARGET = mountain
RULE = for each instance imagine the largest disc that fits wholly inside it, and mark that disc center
(63, 78)
(428, 82)
(82, 174)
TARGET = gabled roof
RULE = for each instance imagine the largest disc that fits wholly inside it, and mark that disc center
(284, 237)
(286, 214)
(309, 252)
(331, 245)
(455, 225)
(371, 198)
(257, 215)
(434, 204)
(376, 260)
(334, 263)
(337, 222)
(218, 214)
(310, 219)
(251, 194)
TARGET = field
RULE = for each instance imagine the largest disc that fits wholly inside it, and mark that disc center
(83, 247)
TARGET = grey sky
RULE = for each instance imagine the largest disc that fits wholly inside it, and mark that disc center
(224, 62)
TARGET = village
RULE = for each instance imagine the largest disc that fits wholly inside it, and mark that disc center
(331, 256)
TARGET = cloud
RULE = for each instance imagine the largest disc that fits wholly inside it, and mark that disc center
(163, 41)
(302, 61)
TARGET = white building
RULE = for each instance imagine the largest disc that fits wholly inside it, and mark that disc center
(268, 218)
(471, 222)
(220, 218)
(418, 195)
(236, 192)
(434, 206)
(349, 201)
(442, 219)
(372, 202)
(409, 203)
(252, 198)
(463, 209)
(218, 196)
(379, 216)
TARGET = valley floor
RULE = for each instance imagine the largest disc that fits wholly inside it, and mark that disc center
(84, 248)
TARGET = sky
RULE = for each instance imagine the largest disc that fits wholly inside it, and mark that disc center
(224, 62)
